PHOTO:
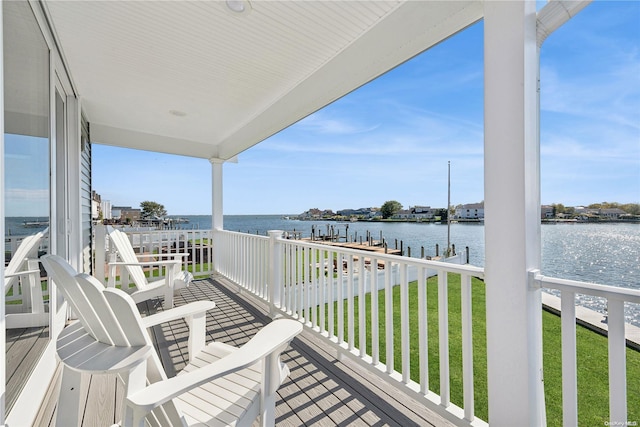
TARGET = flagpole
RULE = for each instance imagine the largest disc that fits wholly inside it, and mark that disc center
(449, 208)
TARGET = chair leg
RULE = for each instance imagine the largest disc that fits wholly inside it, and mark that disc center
(68, 411)
(269, 386)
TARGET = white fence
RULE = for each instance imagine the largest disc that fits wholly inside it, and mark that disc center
(304, 280)
(198, 243)
(14, 297)
(616, 298)
(329, 288)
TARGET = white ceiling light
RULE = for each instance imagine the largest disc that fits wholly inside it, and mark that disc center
(239, 6)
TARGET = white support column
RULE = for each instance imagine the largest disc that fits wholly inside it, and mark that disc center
(216, 209)
(216, 196)
(512, 214)
(3, 331)
(275, 271)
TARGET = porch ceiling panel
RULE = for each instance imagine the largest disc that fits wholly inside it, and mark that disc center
(196, 79)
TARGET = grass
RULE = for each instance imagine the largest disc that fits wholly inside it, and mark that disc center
(593, 398)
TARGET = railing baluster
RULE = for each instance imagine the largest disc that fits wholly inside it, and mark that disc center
(323, 288)
(467, 347)
(569, 364)
(388, 310)
(340, 298)
(332, 281)
(314, 287)
(350, 325)
(443, 327)
(423, 340)
(404, 324)
(362, 325)
(291, 276)
(375, 330)
(617, 363)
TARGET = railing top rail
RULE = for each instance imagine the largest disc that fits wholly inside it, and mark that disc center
(240, 233)
(594, 289)
(435, 265)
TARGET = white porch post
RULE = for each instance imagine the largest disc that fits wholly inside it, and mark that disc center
(216, 197)
(512, 214)
(275, 271)
(216, 207)
(3, 331)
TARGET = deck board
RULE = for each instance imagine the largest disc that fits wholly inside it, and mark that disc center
(24, 346)
(321, 391)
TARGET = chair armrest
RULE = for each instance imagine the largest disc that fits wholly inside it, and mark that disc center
(178, 313)
(22, 273)
(159, 262)
(272, 338)
(163, 255)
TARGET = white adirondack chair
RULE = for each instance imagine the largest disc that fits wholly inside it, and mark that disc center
(213, 389)
(22, 276)
(146, 288)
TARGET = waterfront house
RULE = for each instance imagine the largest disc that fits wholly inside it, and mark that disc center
(470, 211)
(402, 214)
(613, 213)
(423, 212)
(211, 79)
(546, 211)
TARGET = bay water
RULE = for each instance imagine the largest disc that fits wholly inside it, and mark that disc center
(607, 253)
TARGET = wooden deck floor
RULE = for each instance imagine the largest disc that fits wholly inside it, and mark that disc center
(24, 346)
(320, 391)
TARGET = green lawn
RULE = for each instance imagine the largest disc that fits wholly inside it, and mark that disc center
(593, 399)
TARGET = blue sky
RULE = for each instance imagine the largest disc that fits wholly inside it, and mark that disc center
(391, 139)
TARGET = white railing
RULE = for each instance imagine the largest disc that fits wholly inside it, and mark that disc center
(616, 298)
(308, 281)
(198, 243)
(323, 285)
(244, 259)
(15, 294)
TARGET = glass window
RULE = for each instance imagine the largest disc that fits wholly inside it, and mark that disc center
(27, 186)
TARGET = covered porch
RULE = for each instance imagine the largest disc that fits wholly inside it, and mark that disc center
(320, 391)
(174, 77)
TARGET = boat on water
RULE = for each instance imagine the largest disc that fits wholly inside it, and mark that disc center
(34, 224)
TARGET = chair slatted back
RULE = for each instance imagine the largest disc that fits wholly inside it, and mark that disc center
(28, 248)
(95, 317)
(126, 318)
(126, 253)
(116, 307)
(111, 317)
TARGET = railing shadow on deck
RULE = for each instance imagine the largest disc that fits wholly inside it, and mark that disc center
(321, 390)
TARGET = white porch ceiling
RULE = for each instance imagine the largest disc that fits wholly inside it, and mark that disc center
(239, 78)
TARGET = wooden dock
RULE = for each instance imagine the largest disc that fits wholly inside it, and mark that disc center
(320, 391)
(376, 247)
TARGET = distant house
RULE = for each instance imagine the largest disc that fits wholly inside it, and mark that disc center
(105, 206)
(470, 211)
(96, 205)
(423, 212)
(546, 211)
(311, 213)
(402, 214)
(124, 213)
(361, 212)
(614, 213)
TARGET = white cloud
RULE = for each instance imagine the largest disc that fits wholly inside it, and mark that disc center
(320, 123)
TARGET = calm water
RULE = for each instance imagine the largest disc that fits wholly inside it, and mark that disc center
(601, 253)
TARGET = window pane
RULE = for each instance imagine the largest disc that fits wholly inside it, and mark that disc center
(27, 187)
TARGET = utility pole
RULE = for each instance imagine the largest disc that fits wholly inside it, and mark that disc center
(448, 209)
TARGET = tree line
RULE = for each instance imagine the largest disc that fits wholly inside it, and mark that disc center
(630, 208)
